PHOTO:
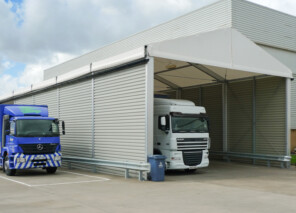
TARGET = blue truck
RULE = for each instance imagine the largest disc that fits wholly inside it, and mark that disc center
(29, 138)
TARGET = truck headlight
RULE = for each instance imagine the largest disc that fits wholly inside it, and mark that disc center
(21, 160)
(57, 158)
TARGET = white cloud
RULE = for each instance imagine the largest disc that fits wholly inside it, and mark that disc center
(7, 84)
(33, 73)
(5, 65)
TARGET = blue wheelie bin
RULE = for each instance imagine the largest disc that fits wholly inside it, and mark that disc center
(157, 163)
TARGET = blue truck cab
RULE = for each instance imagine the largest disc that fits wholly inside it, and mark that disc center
(29, 138)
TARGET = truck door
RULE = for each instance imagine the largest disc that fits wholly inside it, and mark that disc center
(5, 128)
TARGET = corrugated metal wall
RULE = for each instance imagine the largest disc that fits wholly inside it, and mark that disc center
(195, 22)
(293, 103)
(212, 101)
(120, 115)
(8, 102)
(49, 98)
(25, 100)
(271, 112)
(76, 110)
(240, 116)
(263, 25)
(110, 126)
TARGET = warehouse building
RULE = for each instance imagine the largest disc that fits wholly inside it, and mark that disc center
(234, 57)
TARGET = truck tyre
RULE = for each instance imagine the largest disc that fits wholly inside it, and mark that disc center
(51, 170)
(8, 171)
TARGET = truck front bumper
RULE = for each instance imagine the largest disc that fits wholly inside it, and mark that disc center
(176, 161)
(22, 161)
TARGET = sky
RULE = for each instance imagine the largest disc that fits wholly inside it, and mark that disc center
(38, 34)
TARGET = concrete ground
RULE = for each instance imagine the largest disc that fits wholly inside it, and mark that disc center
(223, 187)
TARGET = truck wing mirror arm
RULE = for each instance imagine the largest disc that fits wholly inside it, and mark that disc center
(63, 127)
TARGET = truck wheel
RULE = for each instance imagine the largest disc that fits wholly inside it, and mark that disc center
(51, 170)
(8, 171)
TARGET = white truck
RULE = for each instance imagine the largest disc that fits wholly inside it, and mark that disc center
(181, 133)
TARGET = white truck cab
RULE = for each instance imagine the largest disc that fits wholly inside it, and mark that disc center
(181, 133)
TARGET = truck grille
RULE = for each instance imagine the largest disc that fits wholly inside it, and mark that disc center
(192, 143)
(192, 158)
(47, 148)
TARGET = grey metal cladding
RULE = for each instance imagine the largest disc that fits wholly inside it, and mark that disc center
(189, 24)
(50, 99)
(293, 103)
(76, 110)
(25, 100)
(263, 25)
(211, 99)
(120, 115)
(270, 119)
(240, 116)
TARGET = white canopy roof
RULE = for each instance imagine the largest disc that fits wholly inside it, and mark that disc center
(226, 53)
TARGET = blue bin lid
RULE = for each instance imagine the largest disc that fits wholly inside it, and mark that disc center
(157, 157)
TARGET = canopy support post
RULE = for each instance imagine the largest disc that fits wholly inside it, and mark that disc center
(288, 118)
(224, 97)
(254, 119)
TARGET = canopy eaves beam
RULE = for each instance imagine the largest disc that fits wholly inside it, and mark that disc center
(177, 68)
(208, 72)
(166, 82)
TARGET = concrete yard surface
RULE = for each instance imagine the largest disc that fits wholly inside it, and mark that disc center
(223, 187)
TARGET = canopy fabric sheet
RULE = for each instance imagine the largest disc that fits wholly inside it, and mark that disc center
(219, 55)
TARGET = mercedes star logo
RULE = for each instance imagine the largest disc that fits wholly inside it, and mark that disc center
(39, 146)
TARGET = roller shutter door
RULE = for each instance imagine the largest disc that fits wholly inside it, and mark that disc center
(212, 101)
(76, 110)
(271, 120)
(25, 100)
(240, 117)
(49, 98)
(293, 103)
(120, 116)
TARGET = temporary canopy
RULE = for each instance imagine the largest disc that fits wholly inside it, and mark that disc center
(219, 55)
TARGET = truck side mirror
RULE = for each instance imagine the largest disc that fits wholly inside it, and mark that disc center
(63, 127)
(208, 122)
(163, 123)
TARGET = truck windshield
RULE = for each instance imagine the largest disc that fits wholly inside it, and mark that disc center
(37, 128)
(189, 124)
